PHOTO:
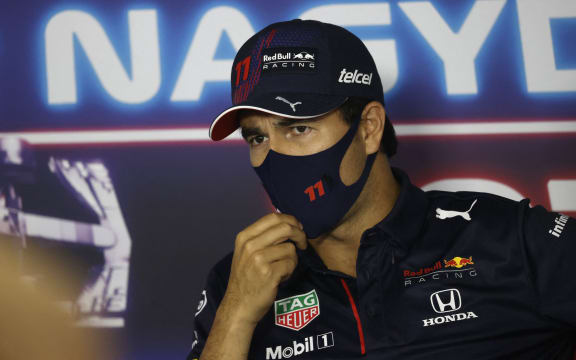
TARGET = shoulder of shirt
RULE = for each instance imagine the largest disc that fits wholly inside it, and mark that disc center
(464, 199)
(222, 268)
(217, 280)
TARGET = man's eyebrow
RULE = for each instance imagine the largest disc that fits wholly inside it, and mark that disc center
(289, 122)
(249, 131)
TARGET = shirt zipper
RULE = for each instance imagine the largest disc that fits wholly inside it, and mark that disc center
(356, 316)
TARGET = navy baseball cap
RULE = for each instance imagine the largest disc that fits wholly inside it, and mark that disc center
(298, 69)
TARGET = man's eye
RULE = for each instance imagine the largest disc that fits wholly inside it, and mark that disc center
(301, 129)
(256, 140)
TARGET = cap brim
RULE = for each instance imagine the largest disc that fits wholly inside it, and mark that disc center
(287, 105)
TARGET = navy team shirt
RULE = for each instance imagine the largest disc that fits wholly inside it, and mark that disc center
(464, 274)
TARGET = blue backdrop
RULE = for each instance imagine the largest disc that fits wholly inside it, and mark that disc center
(482, 94)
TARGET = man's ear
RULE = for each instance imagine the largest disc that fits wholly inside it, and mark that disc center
(372, 126)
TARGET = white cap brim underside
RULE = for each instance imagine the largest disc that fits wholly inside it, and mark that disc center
(248, 107)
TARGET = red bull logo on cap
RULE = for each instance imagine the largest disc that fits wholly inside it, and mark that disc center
(458, 262)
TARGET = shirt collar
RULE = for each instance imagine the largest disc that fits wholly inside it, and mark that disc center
(400, 227)
(404, 222)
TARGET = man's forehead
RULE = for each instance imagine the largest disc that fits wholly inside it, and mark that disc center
(253, 118)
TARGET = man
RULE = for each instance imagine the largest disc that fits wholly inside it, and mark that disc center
(358, 262)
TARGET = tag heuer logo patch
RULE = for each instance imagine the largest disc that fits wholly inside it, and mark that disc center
(297, 311)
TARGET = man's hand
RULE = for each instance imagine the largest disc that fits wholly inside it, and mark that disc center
(263, 258)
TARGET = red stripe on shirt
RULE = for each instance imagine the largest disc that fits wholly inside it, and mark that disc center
(355, 311)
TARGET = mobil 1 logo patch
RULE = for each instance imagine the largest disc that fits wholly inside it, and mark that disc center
(289, 60)
(296, 348)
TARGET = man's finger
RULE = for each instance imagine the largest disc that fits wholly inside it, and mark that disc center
(276, 234)
(266, 222)
(282, 269)
(300, 240)
(275, 253)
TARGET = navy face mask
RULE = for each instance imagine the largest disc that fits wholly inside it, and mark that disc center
(309, 187)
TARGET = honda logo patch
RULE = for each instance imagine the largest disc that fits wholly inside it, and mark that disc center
(446, 301)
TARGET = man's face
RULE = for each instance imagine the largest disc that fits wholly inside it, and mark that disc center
(263, 132)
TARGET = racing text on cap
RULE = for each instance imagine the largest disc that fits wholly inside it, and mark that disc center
(289, 60)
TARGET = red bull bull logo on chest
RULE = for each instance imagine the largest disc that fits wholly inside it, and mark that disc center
(458, 262)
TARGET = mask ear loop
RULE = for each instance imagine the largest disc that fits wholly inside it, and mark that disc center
(369, 158)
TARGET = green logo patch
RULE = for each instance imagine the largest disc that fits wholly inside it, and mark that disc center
(297, 311)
